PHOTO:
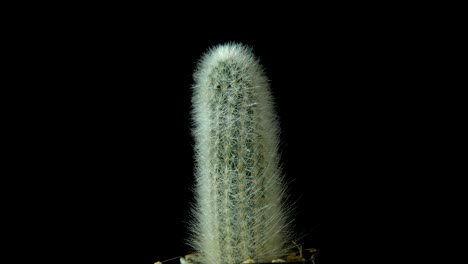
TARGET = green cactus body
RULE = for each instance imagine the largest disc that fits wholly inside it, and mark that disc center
(239, 212)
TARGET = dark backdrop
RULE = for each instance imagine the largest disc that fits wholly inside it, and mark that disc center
(112, 125)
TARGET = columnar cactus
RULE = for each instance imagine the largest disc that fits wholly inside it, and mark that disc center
(239, 212)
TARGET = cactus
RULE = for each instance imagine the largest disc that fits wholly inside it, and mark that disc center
(240, 212)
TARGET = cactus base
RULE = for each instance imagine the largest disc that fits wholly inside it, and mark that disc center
(293, 257)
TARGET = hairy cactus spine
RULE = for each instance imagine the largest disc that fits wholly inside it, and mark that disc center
(239, 212)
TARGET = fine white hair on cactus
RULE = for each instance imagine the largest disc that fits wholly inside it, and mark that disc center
(239, 212)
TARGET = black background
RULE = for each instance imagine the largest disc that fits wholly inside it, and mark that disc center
(111, 122)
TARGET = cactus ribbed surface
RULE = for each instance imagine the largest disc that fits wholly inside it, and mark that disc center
(239, 212)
